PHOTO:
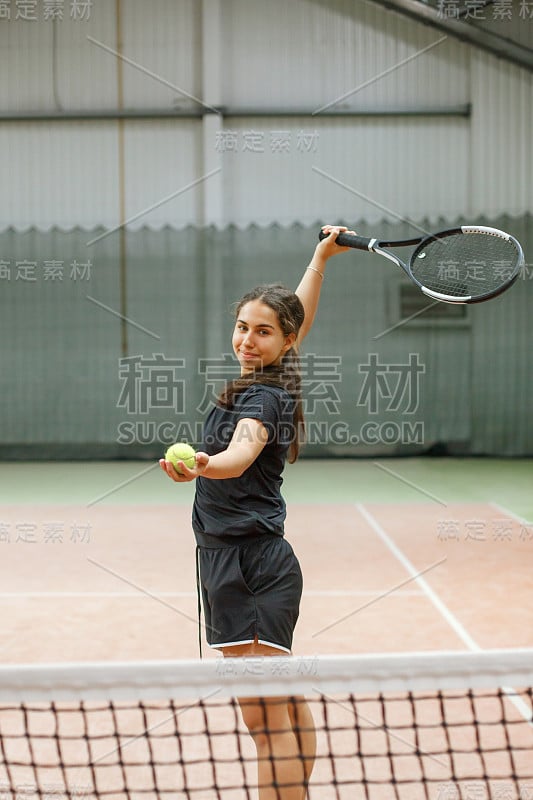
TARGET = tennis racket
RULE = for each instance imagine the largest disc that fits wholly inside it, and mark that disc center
(469, 264)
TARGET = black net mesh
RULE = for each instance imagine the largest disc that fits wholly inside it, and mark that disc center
(452, 745)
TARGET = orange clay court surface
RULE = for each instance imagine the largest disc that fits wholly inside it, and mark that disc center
(97, 560)
(97, 563)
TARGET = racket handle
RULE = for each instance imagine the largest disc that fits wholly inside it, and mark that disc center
(349, 240)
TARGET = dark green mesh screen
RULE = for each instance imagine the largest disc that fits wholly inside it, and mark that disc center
(111, 351)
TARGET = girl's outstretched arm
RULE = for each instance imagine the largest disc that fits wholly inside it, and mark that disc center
(249, 438)
(311, 284)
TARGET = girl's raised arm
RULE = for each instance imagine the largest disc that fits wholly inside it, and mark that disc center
(311, 284)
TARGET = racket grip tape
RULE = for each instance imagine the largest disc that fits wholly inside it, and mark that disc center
(349, 240)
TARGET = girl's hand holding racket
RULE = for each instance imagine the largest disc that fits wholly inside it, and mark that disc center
(185, 475)
(328, 247)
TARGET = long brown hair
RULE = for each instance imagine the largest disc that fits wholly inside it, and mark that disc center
(286, 375)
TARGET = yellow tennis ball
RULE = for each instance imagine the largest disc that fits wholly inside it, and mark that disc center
(181, 452)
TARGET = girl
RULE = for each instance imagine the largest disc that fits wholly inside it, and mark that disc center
(250, 579)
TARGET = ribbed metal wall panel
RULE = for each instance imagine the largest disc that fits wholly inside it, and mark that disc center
(163, 165)
(49, 65)
(70, 64)
(310, 52)
(502, 121)
(285, 55)
(58, 174)
(66, 174)
(351, 172)
(163, 38)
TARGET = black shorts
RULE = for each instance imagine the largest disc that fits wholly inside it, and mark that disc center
(250, 587)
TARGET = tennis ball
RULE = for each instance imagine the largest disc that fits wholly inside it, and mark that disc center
(181, 452)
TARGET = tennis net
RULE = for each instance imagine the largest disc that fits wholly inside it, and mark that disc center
(444, 726)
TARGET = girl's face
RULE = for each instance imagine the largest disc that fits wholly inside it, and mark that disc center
(258, 340)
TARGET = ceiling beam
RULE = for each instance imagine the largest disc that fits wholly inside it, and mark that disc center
(458, 28)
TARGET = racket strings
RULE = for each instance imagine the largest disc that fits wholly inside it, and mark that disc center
(465, 265)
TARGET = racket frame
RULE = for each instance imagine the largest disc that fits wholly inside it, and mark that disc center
(378, 246)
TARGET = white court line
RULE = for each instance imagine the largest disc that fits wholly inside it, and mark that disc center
(359, 592)
(420, 580)
(136, 596)
(443, 609)
(507, 513)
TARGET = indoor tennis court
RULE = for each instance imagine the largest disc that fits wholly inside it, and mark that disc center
(159, 161)
(389, 565)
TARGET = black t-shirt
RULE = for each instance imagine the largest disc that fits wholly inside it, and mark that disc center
(251, 503)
